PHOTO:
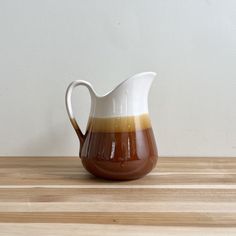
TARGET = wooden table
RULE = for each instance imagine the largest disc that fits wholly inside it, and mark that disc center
(56, 196)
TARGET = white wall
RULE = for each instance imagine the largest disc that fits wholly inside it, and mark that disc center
(190, 44)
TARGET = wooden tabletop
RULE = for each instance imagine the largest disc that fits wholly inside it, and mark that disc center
(56, 196)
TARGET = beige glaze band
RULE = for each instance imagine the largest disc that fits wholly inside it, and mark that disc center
(119, 124)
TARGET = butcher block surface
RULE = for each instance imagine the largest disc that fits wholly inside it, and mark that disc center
(56, 196)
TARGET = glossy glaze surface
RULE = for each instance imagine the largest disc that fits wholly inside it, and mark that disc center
(119, 148)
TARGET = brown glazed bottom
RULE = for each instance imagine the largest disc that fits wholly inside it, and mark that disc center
(119, 155)
(127, 170)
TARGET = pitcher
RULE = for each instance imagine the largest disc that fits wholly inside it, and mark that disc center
(118, 143)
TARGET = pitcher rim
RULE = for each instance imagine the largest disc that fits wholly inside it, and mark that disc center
(124, 81)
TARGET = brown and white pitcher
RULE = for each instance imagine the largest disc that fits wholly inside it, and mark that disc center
(118, 143)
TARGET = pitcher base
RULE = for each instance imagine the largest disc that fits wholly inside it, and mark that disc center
(127, 170)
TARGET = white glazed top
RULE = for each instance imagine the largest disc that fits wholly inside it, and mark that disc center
(130, 98)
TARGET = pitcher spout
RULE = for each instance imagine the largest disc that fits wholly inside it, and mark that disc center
(141, 83)
(136, 85)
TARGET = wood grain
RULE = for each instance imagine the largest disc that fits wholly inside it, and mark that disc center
(187, 193)
(68, 229)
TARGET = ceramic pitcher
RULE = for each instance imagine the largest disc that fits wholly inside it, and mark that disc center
(118, 143)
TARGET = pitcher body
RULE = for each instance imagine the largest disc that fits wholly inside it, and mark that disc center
(119, 143)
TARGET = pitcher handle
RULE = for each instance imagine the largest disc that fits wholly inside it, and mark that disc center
(69, 91)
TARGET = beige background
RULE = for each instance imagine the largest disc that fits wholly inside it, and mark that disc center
(190, 44)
